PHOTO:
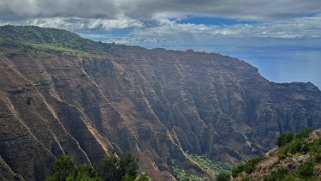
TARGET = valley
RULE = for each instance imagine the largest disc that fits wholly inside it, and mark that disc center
(62, 94)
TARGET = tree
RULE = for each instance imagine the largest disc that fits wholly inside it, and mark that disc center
(108, 168)
(128, 165)
(64, 167)
(86, 172)
(113, 168)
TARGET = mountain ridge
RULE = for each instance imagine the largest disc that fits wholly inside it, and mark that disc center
(156, 104)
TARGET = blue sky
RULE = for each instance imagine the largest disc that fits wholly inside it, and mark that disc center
(281, 37)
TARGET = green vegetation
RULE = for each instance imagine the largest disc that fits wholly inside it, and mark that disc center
(294, 143)
(48, 39)
(290, 144)
(66, 169)
(111, 168)
(221, 170)
(181, 175)
(45, 47)
(305, 171)
(284, 139)
(296, 146)
(247, 167)
(118, 168)
(288, 137)
(209, 165)
(279, 174)
(223, 176)
(53, 48)
(303, 133)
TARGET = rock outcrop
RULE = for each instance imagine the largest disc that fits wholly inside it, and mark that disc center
(154, 103)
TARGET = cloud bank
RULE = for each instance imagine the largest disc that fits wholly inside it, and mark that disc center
(147, 9)
(154, 20)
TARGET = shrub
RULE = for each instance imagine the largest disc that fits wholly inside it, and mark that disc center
(284, 139)
(295, 146)
(251, 163)
(236, 171)
(247, 166)
(277, 175)
(306, 169)
(298, 145)
(317, 157)
(303, 133)
(283, 154)
(315, 146)
(223, 176)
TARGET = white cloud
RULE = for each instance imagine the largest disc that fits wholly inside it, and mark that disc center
(60, 8)
(276, 19)
(169, 31)
(152, 9)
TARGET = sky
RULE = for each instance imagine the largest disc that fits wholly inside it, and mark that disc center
(280, 37)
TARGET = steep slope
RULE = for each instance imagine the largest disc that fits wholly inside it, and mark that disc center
(156, 104)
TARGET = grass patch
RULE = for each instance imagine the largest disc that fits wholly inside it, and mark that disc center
(53, 48)
(45, 47)
(182, 175)
(209, 165)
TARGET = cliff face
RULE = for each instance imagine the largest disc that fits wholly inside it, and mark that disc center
(155, 104)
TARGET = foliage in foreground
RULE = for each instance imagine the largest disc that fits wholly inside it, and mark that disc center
(294, 143)
(223, 176)
(290, 144)
(305, 171)
(247, 167)
(111, 168)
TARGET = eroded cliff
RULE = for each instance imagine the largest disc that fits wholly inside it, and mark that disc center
(156, 104)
